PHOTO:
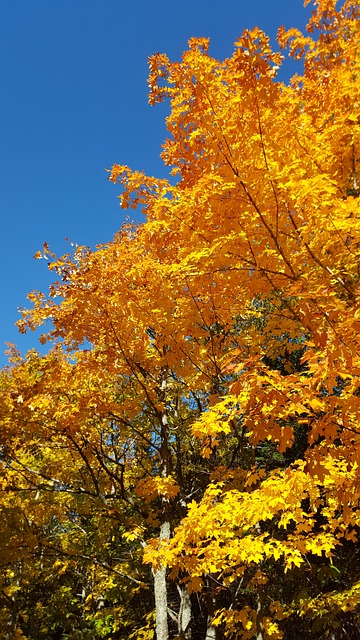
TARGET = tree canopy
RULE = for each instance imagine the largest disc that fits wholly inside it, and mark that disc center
(183, 462)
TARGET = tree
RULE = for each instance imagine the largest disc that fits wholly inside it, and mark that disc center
(199, 405)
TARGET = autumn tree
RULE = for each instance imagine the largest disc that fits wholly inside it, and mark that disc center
(193, 430)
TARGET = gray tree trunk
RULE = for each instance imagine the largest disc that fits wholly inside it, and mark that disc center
(160, 591)
(160, 586)
(259, 616)
(210, 631)
(184, 617)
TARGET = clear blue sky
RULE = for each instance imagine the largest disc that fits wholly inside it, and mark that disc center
(74, 101)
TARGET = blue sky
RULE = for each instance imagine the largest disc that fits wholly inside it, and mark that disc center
(74, 101)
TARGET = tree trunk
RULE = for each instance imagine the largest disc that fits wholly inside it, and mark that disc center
(259, 616)
(210, 630)
(210, 609)
(160, 590)
(184, 617)
(160, 586)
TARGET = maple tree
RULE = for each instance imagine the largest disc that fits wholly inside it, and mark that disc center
(191, 439)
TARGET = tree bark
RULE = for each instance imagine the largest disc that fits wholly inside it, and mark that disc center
(210, 630)
(160, 586)
(160, 591)
(259, 616)
(184, 617)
